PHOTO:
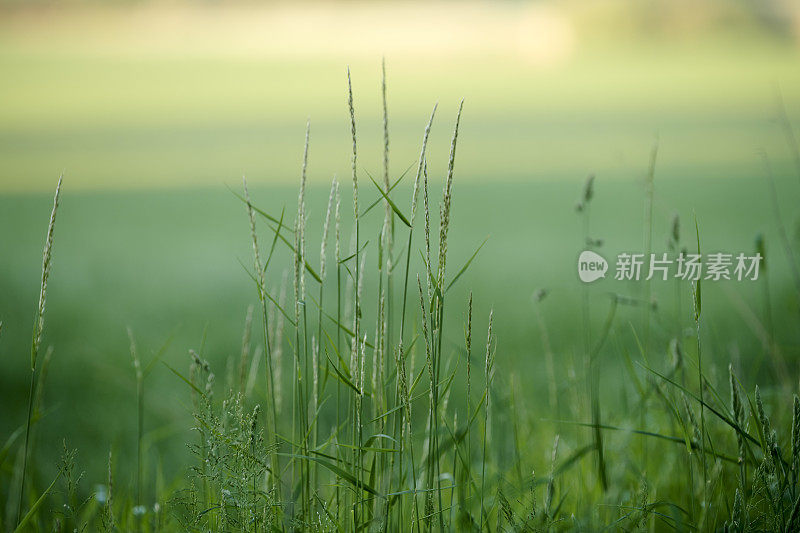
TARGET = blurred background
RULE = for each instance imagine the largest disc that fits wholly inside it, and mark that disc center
(151, 110)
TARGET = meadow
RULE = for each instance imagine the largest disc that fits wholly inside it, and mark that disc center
(579, 408)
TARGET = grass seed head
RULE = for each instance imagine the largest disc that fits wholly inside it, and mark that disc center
(421, 166)
(326, 227)
(796, 435)
(259, 271)
(489, 352)
(426, 201)
(738, 411)
(770, 440)
(447, 195)
(47, 263)
(353, 133)
(248, 325)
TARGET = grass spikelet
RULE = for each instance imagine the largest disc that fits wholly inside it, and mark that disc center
(387, 232)
(259, 271)
(314, 374)
(488, 367)
(254, 425)
(378, 355)
(738, 411)
(426, 205)
(447, 195)
(248, 323)
(108, 509)
(468, 347)
(277, 342)
(421, 166)
(47, 263)
(738, 521)
(334, 194)
(769, 444)
(352, 110)
(300, 225)
(426, 336)
(795, 465)
(405, 397)
(692, 420)
(385, 128)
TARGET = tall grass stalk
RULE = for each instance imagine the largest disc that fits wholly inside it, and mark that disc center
(404, 418)
(387, 244)
(358, 500)
(302, 360)
(384, 297)
(323, 253)
(260, 272)
(338, 258)
(38, 328)
(697, 304)
(592, 373)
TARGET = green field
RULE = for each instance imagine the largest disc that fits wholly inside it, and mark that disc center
(150, 236)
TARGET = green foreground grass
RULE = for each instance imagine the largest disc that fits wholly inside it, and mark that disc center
(535, 429)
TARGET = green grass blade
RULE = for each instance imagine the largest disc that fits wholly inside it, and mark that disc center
(390, 202)
(344, 474)
(466, 265)
(30, 514)
(192, 385)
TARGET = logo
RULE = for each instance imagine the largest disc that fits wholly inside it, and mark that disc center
(591, 266)
(684, 266)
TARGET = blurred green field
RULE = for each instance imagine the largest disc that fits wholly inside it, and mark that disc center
(177, 273)
(149, 236)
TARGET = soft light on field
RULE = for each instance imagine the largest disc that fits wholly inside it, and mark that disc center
(180, 96)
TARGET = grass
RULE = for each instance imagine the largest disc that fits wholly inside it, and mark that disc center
(359, 435)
